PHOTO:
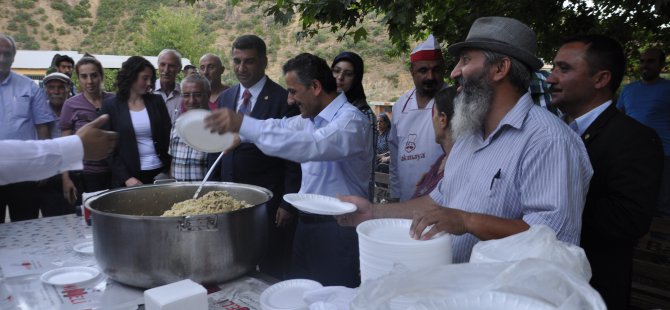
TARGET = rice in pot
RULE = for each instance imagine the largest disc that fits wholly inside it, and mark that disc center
(210, 203)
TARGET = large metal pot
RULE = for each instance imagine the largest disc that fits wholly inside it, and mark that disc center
(134, 246)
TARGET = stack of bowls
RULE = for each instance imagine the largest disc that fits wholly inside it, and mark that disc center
(383, 243)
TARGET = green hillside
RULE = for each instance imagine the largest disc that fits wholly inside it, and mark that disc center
(116, 27)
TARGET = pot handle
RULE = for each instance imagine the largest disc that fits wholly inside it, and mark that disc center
(199, 223)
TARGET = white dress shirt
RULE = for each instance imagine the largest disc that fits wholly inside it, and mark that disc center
(255, 91)
(33, 160)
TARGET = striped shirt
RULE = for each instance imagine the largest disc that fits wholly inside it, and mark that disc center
(532, 167)
(188, 164)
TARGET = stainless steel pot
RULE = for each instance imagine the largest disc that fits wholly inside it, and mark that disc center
(134, 246)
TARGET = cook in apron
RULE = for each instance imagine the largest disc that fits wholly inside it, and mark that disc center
(412, 144)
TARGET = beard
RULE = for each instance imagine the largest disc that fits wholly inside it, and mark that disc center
(471, 106)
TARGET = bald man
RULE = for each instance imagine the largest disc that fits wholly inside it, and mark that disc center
(212, 68)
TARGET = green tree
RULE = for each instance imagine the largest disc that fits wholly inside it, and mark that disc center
(180, 29)
(635, 24)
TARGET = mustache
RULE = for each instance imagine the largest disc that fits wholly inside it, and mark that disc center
(429, 82)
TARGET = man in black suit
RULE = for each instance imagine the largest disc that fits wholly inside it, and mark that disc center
(258, 96)
(626, 156)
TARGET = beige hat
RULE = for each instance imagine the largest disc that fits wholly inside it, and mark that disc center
(57, 76)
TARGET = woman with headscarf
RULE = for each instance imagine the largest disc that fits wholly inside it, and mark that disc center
(143, 124)
(348, 72)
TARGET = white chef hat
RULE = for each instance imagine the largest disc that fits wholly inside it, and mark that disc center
(427, 50)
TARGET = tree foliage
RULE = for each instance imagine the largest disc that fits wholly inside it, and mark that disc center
(180, 29)
(636, 24)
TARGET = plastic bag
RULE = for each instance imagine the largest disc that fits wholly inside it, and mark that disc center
(537, 242)
(541, 273)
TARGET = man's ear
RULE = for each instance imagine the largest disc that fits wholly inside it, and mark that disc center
(501, 69)
(602, 79)
(317, 87)
(444, 120)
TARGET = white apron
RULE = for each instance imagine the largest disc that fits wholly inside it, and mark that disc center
(412, 144)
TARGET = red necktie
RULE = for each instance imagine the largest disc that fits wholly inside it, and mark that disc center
(246, 103)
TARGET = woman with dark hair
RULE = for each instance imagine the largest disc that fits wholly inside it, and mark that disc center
(78, 111)
(143, 124)
(348, 71)
(383, 154)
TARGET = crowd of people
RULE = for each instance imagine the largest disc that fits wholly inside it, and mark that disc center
(508, 146)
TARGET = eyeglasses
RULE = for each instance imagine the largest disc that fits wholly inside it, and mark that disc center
(192, 95)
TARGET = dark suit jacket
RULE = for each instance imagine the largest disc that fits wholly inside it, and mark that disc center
(627, 160)
(247, 164)
(125, 160)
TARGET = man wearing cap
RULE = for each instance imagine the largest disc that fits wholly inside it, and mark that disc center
(513, 164)
(412, 139)
(24, 115)
(627, 159)
(51, 191)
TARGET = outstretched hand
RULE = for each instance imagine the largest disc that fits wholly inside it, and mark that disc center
(363, 211)
(224, 120)
(97, 143)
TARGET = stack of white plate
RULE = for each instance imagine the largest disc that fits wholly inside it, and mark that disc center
(383, 243)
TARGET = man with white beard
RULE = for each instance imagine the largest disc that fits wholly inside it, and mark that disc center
(513, 163)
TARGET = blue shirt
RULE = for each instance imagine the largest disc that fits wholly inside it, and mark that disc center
(333, 149)
(532, 167)
(649, 104)
(23, 105)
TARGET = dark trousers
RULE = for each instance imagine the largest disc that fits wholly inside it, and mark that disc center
(87, 182)
(663, 209)
(21, 198)
(325, 252)
(51, 198)
(147, 176)
(277, 258)
(612, 269)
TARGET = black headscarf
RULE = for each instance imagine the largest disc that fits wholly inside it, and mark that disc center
(356, 92)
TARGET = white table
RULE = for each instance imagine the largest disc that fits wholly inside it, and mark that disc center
(30, 248)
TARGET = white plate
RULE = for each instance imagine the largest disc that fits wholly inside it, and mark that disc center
(84, 247)
(69, 275)
(319, 204)
(394, 232)
(287, 294)
(190, 127)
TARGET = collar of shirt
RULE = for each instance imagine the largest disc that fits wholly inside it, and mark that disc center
(411, 104)
(175, 92)
(580, 124)
(8, 78)
(254, 90)
(514, 119)
(330, 111)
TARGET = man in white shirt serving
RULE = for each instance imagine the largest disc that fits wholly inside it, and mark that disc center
(332, 142)
(30, 160)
